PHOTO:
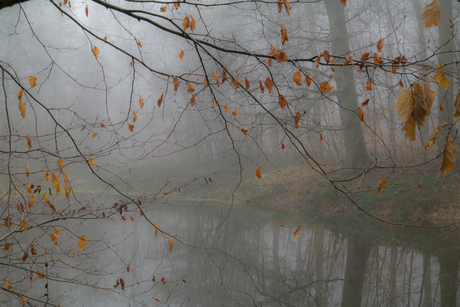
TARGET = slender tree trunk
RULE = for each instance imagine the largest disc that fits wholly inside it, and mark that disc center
(355, 147)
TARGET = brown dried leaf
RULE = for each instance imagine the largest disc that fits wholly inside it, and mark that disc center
(96, 51)
(282, 101)
(449, 156)
(296, 233)
(284, 35)
(361, 115)
(176, 83)
(170, 244)
(325, 87)
(246, 83)
(60, 164)
(380, 45)
(259, 173)
(156, 229)
(192, 24)
(164, 8)
(348, 59)
(181, 54)
(139, 43)
(269, 84)
(131, 127)
(55, 236)
(433, 136)
(431, 14)
(298, 78)
(440, 78)
(186, 23)
(160, 100)
(91, 161)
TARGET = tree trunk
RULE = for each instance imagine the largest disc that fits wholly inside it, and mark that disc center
(355, 147)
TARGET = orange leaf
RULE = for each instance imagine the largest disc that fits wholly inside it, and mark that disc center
(191, 88)
(259, 173)
(365, 102)
(419, 186)
(164, 8)
(131, 127)
(348, 59)
(205, 82)
(361, 115)
(82, 242)
(93, 136)
(33, 81)
(318, 59)
(284, 35)
(298, 78)
(160, 100)
(157, 299)
(181, 54)
(245, 130)
(68, 191)
(177, 5)
(365, 56)
(156, 229)
(58, 189)
(320, 137)
(122, 283)
(31, 201)
(86, 12)
(287, 6)
(192, 24)
(325, 87)
(216, 102)
(192, 101)
(163, 280)
(23, 300)
(132, 219)
(269, 84)
(431, 14)
(380, 45)
(33, 250)
(326, 56)
(308, 79)
(369, 85)
(186, 23)
(176, 83)
(377, 58)
(280, 222)
(24, 224)
(7, 246)
(282, 101)
(216, 78)
(127, 268)
(226, 109)
(282, 146)
(280, 6)
(261, 87)
(170, 244)
(134, 117)
(236, 112)
(60, 164)
(105, 37)
(246, 83)
(96, 51)
(296, 233)
(139, 43)
(22, 108)
(343, 2)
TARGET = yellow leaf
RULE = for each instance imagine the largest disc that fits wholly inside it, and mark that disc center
(156, 229)
(23, 300)
(8, 285)
(192, 24)
(33, 81)
(449, 156)
(139, 43)
(160, 100)
(82, 242)
(31, 201)
(236, 112)
(91, 162)
(134, 117)
(259, 173)
(22, 108)
(66, 180)
(29, 142)
(54, 179)
(440, 78)
(380, 45)
(131, 127)
(40, 274)
(433, 136)
(27, 170)
(58, 189)
(296, 233)
(186, 23)
(96, 51)
(420, 109)
(298, 78)
(170, 244)
(181, 54)
(226, 109)
(191, 88)
(60, 164)
(431, 14)
(141, 102)
(55, 236)
(86, 12)
(404, 107)
(68, 191)
(216, 102)
(24, 224)
(325, 87)
(164, 8)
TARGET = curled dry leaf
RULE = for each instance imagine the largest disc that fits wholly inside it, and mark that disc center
(29, 188)
(54, 179)
(369, 85)
(245, 130)
(325, 87)
(134, 116)
(86, 10)
(141, 102)
(419, 186)
(91, 162)
(68, 191)
(33, 81)
(318, 59)
(284, 35)
(65, 177)
(236, 112)
(226, 109)
(58, 189)
(29, 142)
(269, 84)
(176, 83)
(8, 285)
(164, 8)
(214, 75)
(131, 127)
(448, 156)
(139, 43)
(348, 59)
(365, 102)
(170, 244)
(60, 164)
(261, 87)
(181, 54)
(297, 118)
(157, 299)
(308, 79)
(156, 229)
(22, 108)
(122, 283)
(55, 236)
(33, 250)
(326, 56)
(192, 24)
(259, 173)
(361, 115)
(186, 23)
(23, 300)
(27, 170)
(192, 101)
(160, 100)
(246, 83)
(24, 225)
(191, 88)
(31, 201)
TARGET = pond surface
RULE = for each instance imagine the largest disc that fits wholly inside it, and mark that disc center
(251, 260)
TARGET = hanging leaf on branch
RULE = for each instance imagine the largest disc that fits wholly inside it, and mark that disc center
(440, 78)
(448, 156)
(431, 14)
(433, 136)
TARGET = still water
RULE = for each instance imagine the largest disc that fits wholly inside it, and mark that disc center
(246, 258)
